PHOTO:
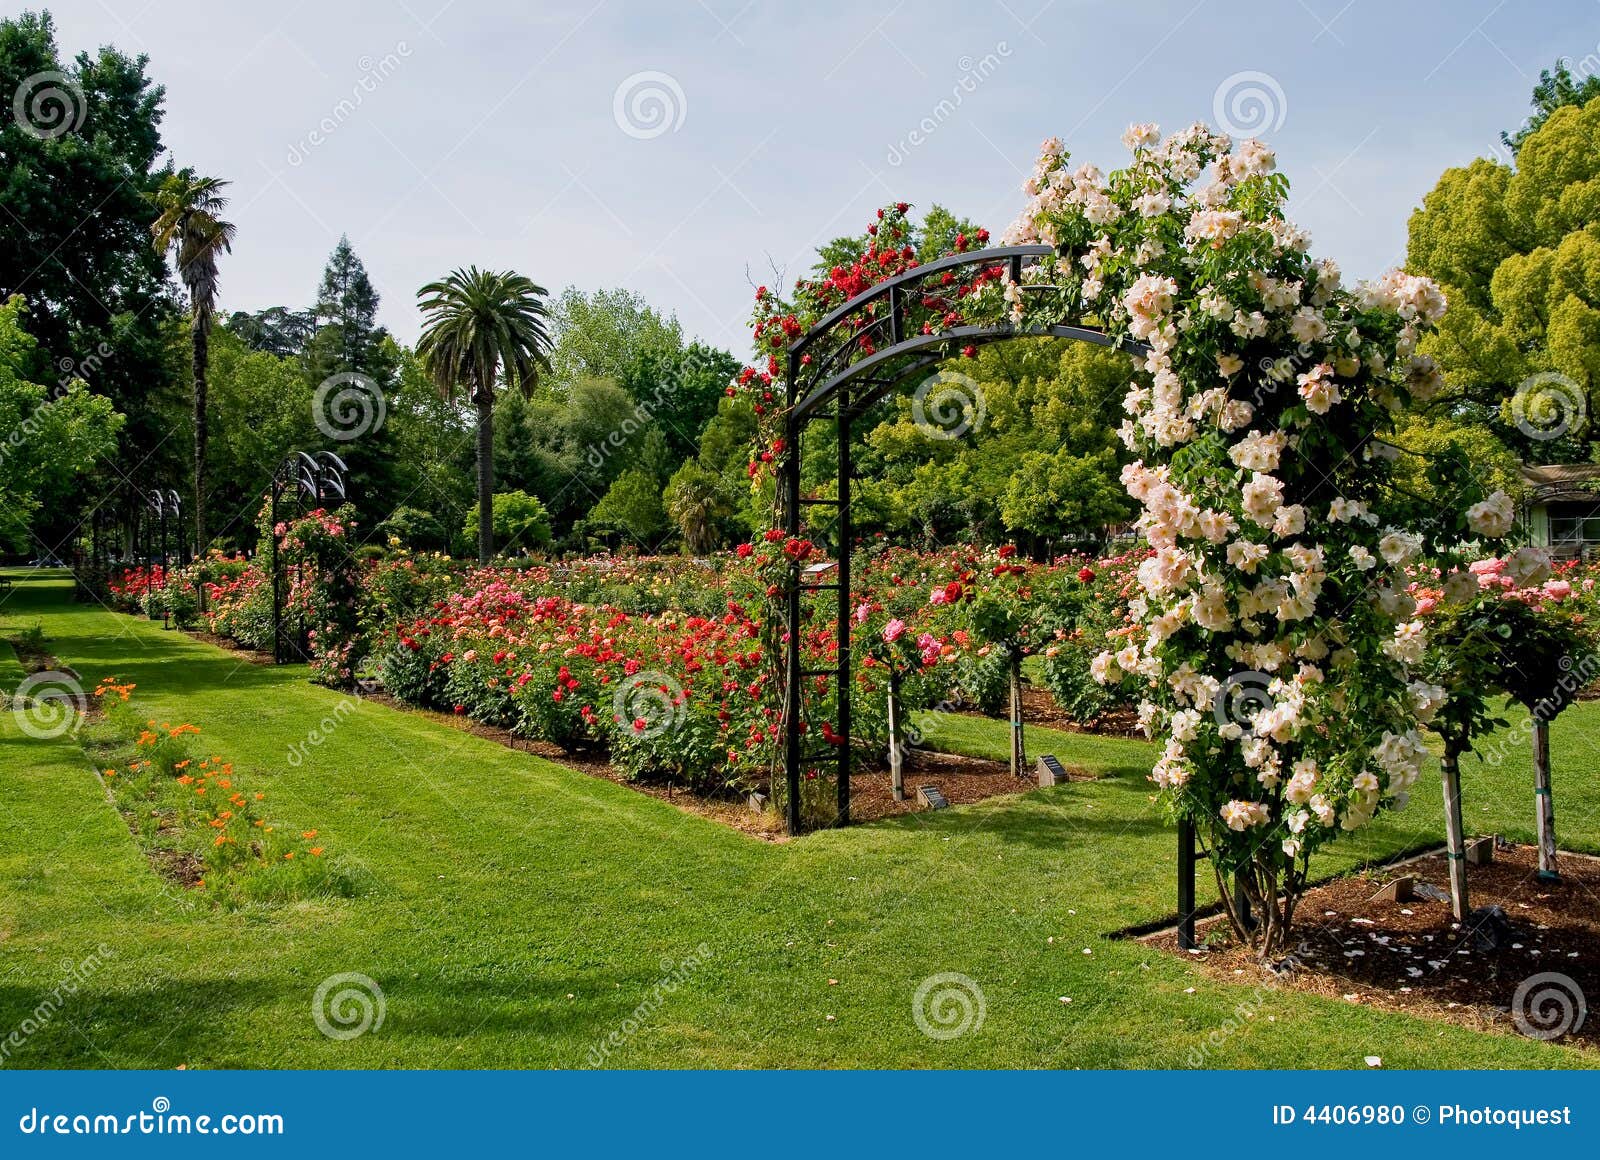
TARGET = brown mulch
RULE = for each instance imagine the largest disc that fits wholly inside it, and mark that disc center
(1040, 708)
(1414, 957)
(962, 780)
(182, 868)
(36, 660)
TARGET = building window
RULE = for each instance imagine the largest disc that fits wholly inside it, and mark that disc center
(1575, 529)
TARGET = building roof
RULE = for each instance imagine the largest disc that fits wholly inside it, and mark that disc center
(1557, 482)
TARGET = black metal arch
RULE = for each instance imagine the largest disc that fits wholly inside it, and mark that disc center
(833, 375)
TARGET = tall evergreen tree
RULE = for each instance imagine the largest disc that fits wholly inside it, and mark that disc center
(348, 337)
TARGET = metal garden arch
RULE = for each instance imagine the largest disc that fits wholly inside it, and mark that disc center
(849, 360)
(831, 376)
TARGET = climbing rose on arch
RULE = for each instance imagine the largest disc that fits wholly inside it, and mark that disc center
(1275, 638)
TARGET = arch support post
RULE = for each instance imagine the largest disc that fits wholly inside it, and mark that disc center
(792, 597)
(843, 619)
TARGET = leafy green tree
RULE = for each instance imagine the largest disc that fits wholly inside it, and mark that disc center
(1026, 449)
(261, 406)
(1556, 89)
(601, 335)
(1518, 257)
(419, 530)
(51, 438)
(527, 445)
(478, 324)
(190, 224)
(78, 168)
(679, 390)
(434, 444)
(632, 506)
(276, 330)
(520, 522)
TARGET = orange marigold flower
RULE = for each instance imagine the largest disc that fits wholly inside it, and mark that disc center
(184, 780)
(184, 764)
(309, 834)
(315, 851)
(289, 855)
(261, 797)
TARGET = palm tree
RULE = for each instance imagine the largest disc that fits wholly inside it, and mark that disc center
(476, 324)
(696, 501)
(191, 226)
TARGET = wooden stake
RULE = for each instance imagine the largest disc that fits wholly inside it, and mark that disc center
(1544, 807)
(897, 744)
(1455, 842)
(1019, 753)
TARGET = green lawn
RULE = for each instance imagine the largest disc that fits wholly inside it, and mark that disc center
(515, 913)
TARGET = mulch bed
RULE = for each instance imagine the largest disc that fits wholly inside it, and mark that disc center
(1040, 708)
(962, 780)
(1413, 957)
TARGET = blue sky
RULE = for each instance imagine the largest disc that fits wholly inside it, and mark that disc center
(685, 149)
